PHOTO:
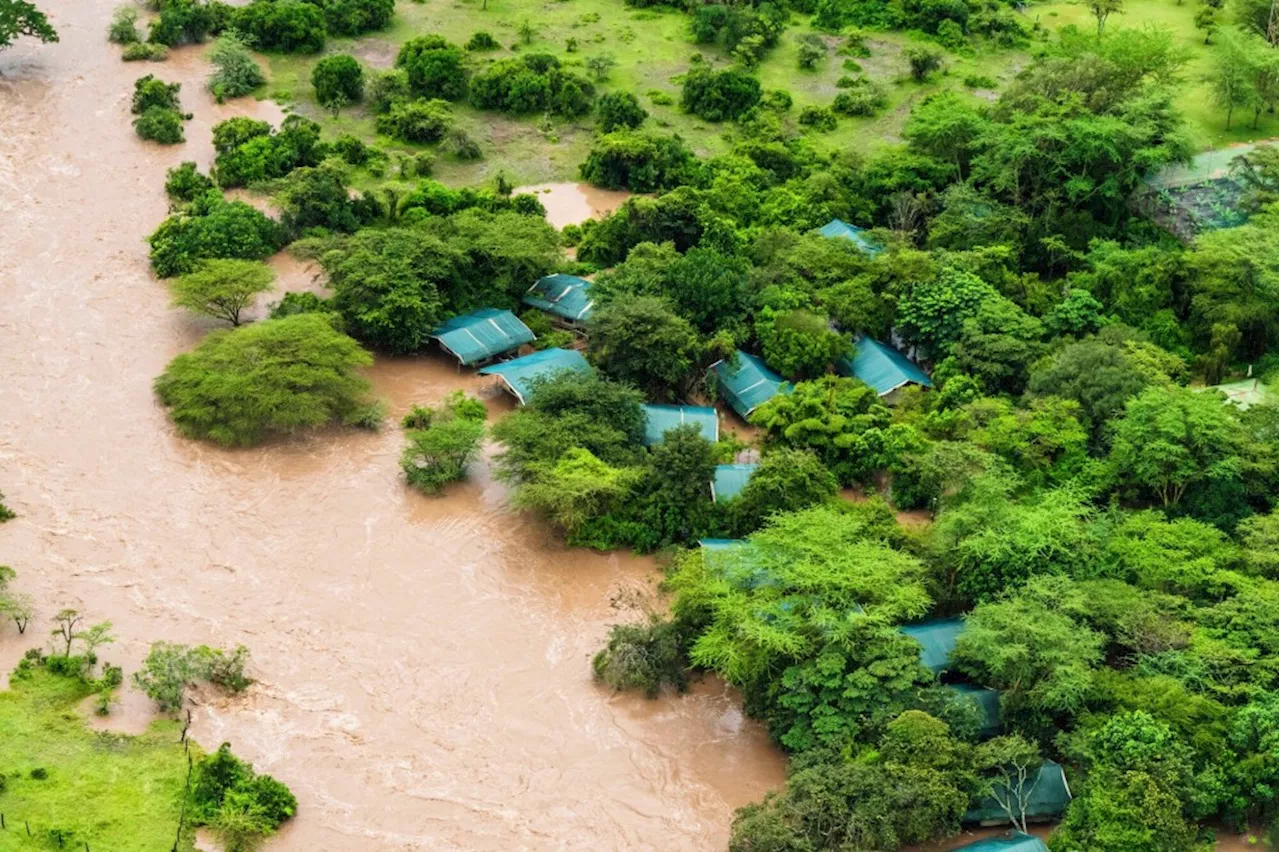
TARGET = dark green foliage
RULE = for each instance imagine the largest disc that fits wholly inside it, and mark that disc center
(442, 442)
(643, 342)
(150, 92)
(355, 17)
(237, 72)
(319, 198)
(160, 125)
(238, 387)
(530, 84)
(248, 151)
(221, 776)
(718, 95)
(642, 656)
(620, 111)
(289, 26)
(182, 22)
(786, 481)
(338, 79)
(211, 227)
(637, 160)
(434, 67)
(417, 121)
(482, 41)
(922, 60)
(799, 344)
(302, 303)
(19, 18)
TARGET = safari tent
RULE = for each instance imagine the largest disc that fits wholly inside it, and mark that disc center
(747, 384)
(841, 230)
(937, 640)
(729, 480)
(881, 366)
(660, 419)
(519, 374)
(566, 297)
(481, 335)
(1047, 796)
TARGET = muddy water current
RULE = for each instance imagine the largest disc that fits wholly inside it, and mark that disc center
(423, 664)
(575, 203)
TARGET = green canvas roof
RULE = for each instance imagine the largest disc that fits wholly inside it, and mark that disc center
(881, 366)
(1014, 842)
(730, 479)
(720, 543)
(749, 384)
(566, 296)
(519, 374)
(482, 334)
(1245, 393)
(1211, 165)
(839, 229)
(987, 701)
(1048, 797)
(660, 419)
(937, 640)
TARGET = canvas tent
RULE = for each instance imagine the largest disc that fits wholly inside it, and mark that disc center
(881, 366)
(720, 543)
(839, 229)
(749, 384)
(519, 374)
(565, 296)
(987, 702)
(937, 640)
(1047, 796)
(730, 479)
(1015, 841)
(480, 335)
(660, 419)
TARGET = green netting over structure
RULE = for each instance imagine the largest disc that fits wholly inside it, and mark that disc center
(660, 419)
(839, 229)
(1247, 393)
(566, 296)
(1210, 165)
(1014, 842)
(519, 374)
(987, 701)
(730, 479)
(482, 334)
(1199, 196)
(937, 640)
(749, 384)
(881, 366)
(1047, 797)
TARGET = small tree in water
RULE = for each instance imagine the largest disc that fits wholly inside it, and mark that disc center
(442, 442)
(223, 289)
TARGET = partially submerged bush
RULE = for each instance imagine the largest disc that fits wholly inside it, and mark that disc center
(643, 656)
(236, 73)
(185, 182)
(222, 778)
(442, 441)
(124, 26)
(143, 51)
(160, 125)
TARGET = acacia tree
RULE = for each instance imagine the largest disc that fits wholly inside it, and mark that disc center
(1231, 79)
(20, 18)
(1009, 768)
(1103, 9)
(223, 289)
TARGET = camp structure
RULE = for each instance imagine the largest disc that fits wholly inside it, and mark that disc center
(565, 297)
(1189, 198)
(1044, 793)
(1014, 841)
(988, 703)
(1244, 394)
(729, 480)
(660, 419)
(882, 367)
(937, 640)
(481, 335)
(519, 374)
(841, 230)
(748, 383)
(714, 544)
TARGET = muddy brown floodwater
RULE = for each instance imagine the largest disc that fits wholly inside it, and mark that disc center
(575, 203)
(423, 664)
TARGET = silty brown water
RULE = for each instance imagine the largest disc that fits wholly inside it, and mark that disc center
(423, 664)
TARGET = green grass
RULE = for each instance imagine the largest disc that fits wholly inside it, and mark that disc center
(114, 792)
(652, 48)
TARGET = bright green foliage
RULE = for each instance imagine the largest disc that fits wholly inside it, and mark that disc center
(287, 26)
(238, 387)
(236, 74)
(932, 315)
(620, 111)
(417, 121)
(442, 442)
(338, 79)
(435, 68)
(151, 92)
(124, 26)
(798, 343)
(841, 420)
(212, 227)
(229, 796)
(639, 161)
(805, 575)
(1233, 282)
(353, 17)
(185, 183)
(223, 289)
(642, 656)
(250, 152)
(1044, 442)
(785, 481)
(1181, 556)
(644, 343)
(998, 344)
(705, 286)
(573, 489)
(160, 125)
(170, 668)
(1032, 646)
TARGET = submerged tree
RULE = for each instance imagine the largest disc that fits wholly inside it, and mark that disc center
(20, 18)
(223, 289)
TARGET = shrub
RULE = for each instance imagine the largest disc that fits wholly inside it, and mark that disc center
(338, 80)
(462, 145)
(642, 656)
(531, 84)
(145, 52)
(236, 74)
(182, 22)
(294, 303)
(223, 669)
(619, 110)
(160, 125)
(353, 17)
(866, 99)
(819, 118)
(812, 50)
(482, 41)
(150, 92)
(434, 67)
(417, 121)
(385, 88)
(124, 26)
(249, 152)
(718, 95)
(289, 26)
(443, 442)
(237, 387)
(641, 162)
(979, 81)
(922, 61)
(222, 776)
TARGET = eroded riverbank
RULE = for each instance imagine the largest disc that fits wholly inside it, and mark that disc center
(423, 663)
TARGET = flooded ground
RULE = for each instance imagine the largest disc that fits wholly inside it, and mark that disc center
(423, 664)
(575, 203)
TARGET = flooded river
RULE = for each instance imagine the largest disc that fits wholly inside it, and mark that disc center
(423, 663)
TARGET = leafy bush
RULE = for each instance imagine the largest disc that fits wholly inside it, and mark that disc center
(443, 441)
(531, 84)
(338, 79)
(160, 125)
(212, 227)
(642, 656)
(386, 88)
(718, 95)
(124, 26)
(922, 60)
(639, 161)
(182, 22)
(249, 152)
(819, 118)
(482, 41)
(236, 74)
(238, 387)
(865, 98)
(354, 17)
(221, 776)
(145, 52)
(417, 121)
(618, 111)
(979, 81)
(150, 92)
(289, 26)
(435, 68)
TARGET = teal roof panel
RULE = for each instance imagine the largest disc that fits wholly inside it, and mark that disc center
(749, 384)
(520, 374)
(987, 701)
(839, 229)
(566, 296)
(937, 640)
(730, 479)
(482, 334)
(660, 419)
(1047, 797)
(881, 366)
(1013, 842)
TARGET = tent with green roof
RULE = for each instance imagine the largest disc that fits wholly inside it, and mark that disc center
(937, 640)
(660, 419)
(520, 374)
(566, 296)
(1047, 797)
(881, 366)
(748, 383)
(841, 230)
(480, 335)
(988, 703)
(720, 543)
(730, 479)
(1015, 841)
(1245, 394)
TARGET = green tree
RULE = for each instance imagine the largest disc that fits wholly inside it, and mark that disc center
(165, 675)
(922, 60)
(600, 65)
(644, 656)
(439, 451)
(435, 67)
(574, 489)
(998, 344)
(799, 343)
(932, 315)
(278, 376)
(236, 72)
(620, 110)
(212, 228)
(718, 95)
(945, 126)
(1103, 9)
(124, 26)
(338, 77)
(785, 481)
(643, 342)
(20, 18)
(1230, 78)
(1008, 768)
(223, 289)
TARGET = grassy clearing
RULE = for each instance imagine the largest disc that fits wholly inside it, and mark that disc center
(652, 49)
(111, 791)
